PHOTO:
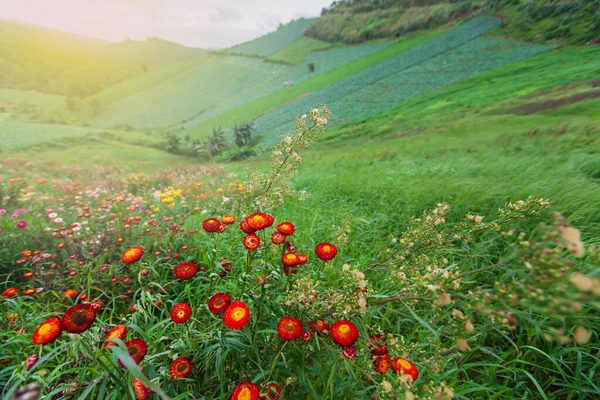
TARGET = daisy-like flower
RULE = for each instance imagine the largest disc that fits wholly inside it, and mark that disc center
(319, 326)
(289, 329)
(181, 313)
(228, 219)
(259, 220)
(29, 292)
(78, 318)
(325, 251)
(277, 238)
(302, 259)
(289, 259)
(251, 242)
(378, 345)
(382, 364)
(181, 368)
(47, 332)
(132, 255)
(10, 293)
(271, 392)
(118, 332)
(218, 303)
(344, 333)
(141, 391)
(186, 270)
(137, 349)
(211, 225)
(286, 228)
(246, 228)
(237, 315)
(246, 391)
(401, 365)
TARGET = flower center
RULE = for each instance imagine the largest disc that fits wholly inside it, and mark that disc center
(404, 364)
(181, 367)
(219, 302)
(79, 318)
(133, 350)
(181, 314)
(245, 394)
(344, 329)
(45, 329)
(290, 327)
(238, 313)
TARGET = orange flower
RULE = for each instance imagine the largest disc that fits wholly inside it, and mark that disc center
(382, 364)
(277, 238)
(10, 292)
(181, 368)
(286, 228)
(228, 219)
(70, 293)
(259, 220)
(251, 242)
(271, 392)
(141, 391)
(137, 349)
(246, 228)
(237, 315)
(344, 333)
(47, 332)
(118, 332)
(132, 255)
(181, 313)
(319, 326)
(186, 270)
(302, 259)
(378, 345)
(325, 251)
(219, 303)
(28, 274)
(402, 365)
(289, 259)
(211, 225)
(289, 329)
(29, 292)
(78, 318)
(246, 391)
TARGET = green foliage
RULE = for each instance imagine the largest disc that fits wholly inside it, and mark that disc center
(298, 50)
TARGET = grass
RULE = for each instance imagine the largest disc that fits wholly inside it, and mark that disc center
(298, 50)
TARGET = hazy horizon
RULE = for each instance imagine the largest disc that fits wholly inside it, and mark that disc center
(193, 23)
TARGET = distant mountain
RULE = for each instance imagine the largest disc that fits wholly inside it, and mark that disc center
(51, 61)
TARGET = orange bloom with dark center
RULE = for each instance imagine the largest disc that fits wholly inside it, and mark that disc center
(289, 329)
(319, 326)
(289, 259)
(47, 332)
(219, 303)
(181, 368)
(78, 318)
(246, 228)
(181, 313)
(378, 345)
(237, 315)
(10, 293)
(141, 391)
(259, 220)
(325, 251)
(302, 259)
(137, 349)
(132, 255)
(186, 270)
(271, 392)
(382, 364)
(401, 365)
(211, 225)
(277, 238)
(228, 219)
(118, 332)
(286, 228)
(29, 292)
(70, 293)
(246, 391)
(344, 333)
(251, 242)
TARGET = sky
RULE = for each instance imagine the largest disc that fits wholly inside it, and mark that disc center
(196, 23)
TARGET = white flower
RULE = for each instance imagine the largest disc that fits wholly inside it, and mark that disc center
(52, 215)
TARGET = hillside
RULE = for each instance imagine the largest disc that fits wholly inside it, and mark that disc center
(55, 62)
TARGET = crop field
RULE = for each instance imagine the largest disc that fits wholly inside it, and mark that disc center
(298, 50)
(29, 97)
(275, 41)
(218, 84)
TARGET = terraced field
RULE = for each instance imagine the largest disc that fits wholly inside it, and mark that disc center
(218, 84)
(444, 60)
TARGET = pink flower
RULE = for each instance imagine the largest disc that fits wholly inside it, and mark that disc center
(22, 224)
(349, 352)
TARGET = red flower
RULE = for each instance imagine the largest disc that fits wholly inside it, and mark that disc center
(181, 313)
(47, 332)
(29, 292)
(286, 228)
(228, 219)
(186, 270)
(236, 316)
(137, 349)
(251, 242)
(181, 368)
(78, 318)
(289, 259)
(344, 333)
(402, 365)
(382, 364)
(10, 292)
(118, 332)
(70, 293)
(219, 303)
(319, 326)
(277, 238)
(271, 392)
(141, 391)
(132, 255)
(306, 335)
(259, 220)
(246, 391)
(325, 251)
(289, 329)
(349, 352)
(211, 225)
(302, 259)
(246, 228)
(377, 344)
